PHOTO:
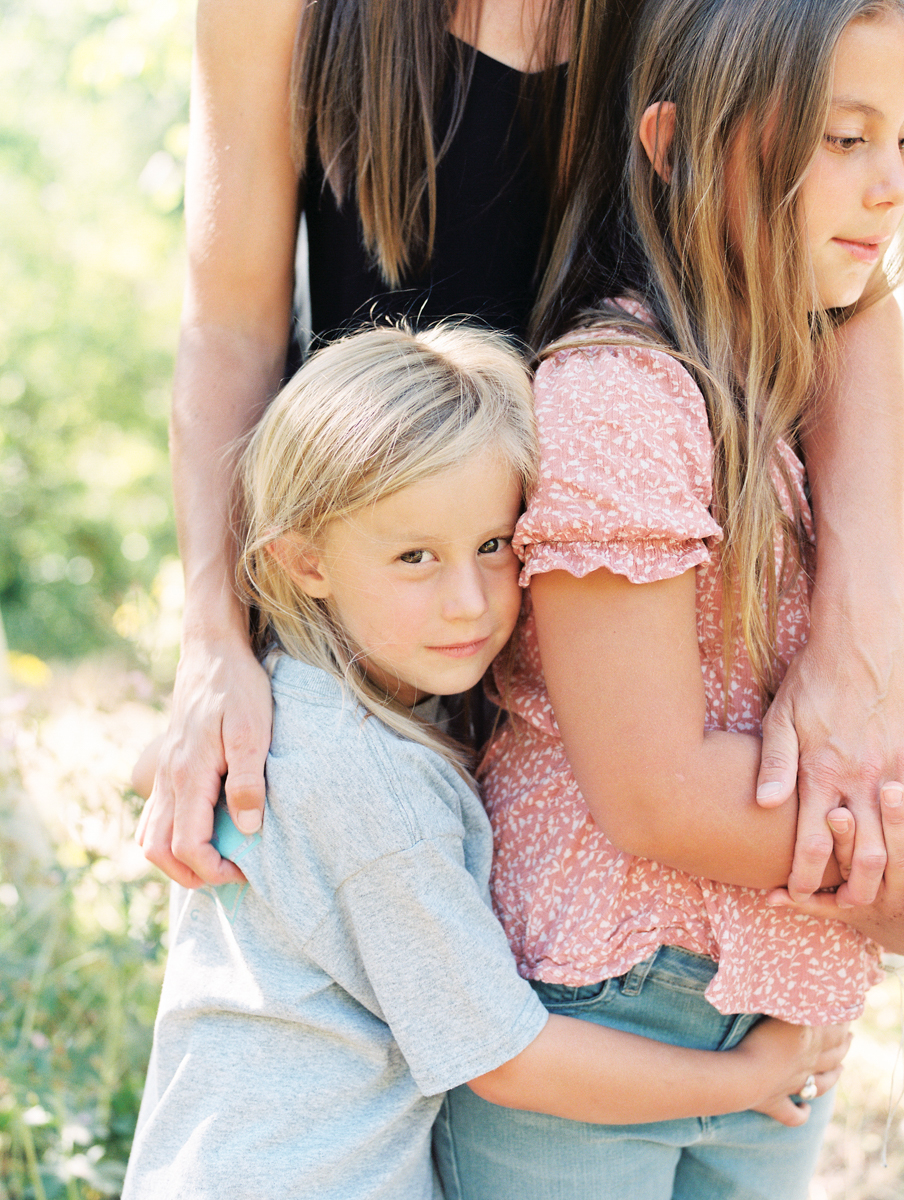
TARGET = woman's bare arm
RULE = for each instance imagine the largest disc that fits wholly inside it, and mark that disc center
(842, 702)
(241, 222)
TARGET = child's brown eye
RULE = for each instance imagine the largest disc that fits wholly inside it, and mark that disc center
(413, 556)
(491, 546)
(842, 143)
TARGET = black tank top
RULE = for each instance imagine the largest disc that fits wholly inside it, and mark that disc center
(492, 202)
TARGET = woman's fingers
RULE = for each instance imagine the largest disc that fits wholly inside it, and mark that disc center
(220, 725)
(892, 807)
(841, 823)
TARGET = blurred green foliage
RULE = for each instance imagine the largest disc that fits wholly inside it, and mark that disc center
(93, 132)
(81, 927)
(77, 1001)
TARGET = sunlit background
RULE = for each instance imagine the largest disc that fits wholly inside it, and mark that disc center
(93, 112)
(93, 127)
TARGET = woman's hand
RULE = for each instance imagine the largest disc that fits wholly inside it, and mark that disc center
(788, 1055)
(840, 708)
(220, 725)
(883, 920)
(843, 713)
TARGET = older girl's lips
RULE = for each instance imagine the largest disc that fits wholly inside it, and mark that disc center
(865, 251)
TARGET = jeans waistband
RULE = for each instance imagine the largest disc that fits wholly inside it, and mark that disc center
(670, 964)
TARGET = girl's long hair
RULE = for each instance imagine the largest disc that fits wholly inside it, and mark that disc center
(367, 81)
(366, 416)
(725, 267)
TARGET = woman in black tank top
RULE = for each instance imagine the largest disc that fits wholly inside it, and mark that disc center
(491, 210)
(457, 180)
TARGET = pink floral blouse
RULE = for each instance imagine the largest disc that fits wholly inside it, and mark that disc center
(626, 484)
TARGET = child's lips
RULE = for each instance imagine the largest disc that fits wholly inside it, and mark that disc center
(865, 250)
(462, 649)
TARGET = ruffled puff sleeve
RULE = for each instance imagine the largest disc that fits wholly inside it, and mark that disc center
(626, 467)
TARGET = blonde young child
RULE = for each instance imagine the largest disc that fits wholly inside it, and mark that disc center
(669, 547)
(311, 1021)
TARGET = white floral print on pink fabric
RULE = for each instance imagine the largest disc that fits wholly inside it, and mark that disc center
(626, 484)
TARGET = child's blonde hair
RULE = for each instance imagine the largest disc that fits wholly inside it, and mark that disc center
(366, 416)
(751, 84)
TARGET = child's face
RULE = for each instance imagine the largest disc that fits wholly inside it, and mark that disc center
(425, 582)
(852, 197)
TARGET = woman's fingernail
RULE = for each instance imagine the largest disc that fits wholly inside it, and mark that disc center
(248, 820)
(768, 791)
(893, 794)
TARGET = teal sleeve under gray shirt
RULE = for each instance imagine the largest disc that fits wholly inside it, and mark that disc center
(311, 1021)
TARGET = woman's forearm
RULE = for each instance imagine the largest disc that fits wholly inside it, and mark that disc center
(223, 382)
(221, 715)
(855, 461)
(842, 702)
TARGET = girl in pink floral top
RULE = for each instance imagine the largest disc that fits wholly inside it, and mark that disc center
(636, 501)
(668, 547)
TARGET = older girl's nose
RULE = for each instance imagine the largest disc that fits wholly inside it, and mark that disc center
(888, 188)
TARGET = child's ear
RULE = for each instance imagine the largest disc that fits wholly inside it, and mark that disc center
(657, 128)
(300, 560)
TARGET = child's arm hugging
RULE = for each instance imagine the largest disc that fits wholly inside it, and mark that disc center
(661, 1082)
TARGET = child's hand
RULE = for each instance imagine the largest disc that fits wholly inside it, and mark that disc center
(787, 1055)
(882, 920)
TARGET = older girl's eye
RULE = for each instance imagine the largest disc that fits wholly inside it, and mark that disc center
(842, 143)
(415, 556)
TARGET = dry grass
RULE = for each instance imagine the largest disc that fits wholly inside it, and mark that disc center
(863, 1155)
(66, 831)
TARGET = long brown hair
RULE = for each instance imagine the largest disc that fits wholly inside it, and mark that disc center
(736, 300)
(367, 81)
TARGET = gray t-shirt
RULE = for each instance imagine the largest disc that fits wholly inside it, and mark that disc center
(310, 1022)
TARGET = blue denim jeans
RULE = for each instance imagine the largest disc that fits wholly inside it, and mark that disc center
(484, 1152)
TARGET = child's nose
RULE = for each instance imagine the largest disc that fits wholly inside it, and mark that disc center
(466, 598)
(889, 187)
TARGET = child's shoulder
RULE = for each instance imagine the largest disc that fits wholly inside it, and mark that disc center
(307, 697)
(620, 392)
(598, 363)
(326, 749)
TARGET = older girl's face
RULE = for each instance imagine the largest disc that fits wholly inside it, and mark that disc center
(852, 198)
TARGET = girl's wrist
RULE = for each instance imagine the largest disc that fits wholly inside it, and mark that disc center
(755, 1071)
